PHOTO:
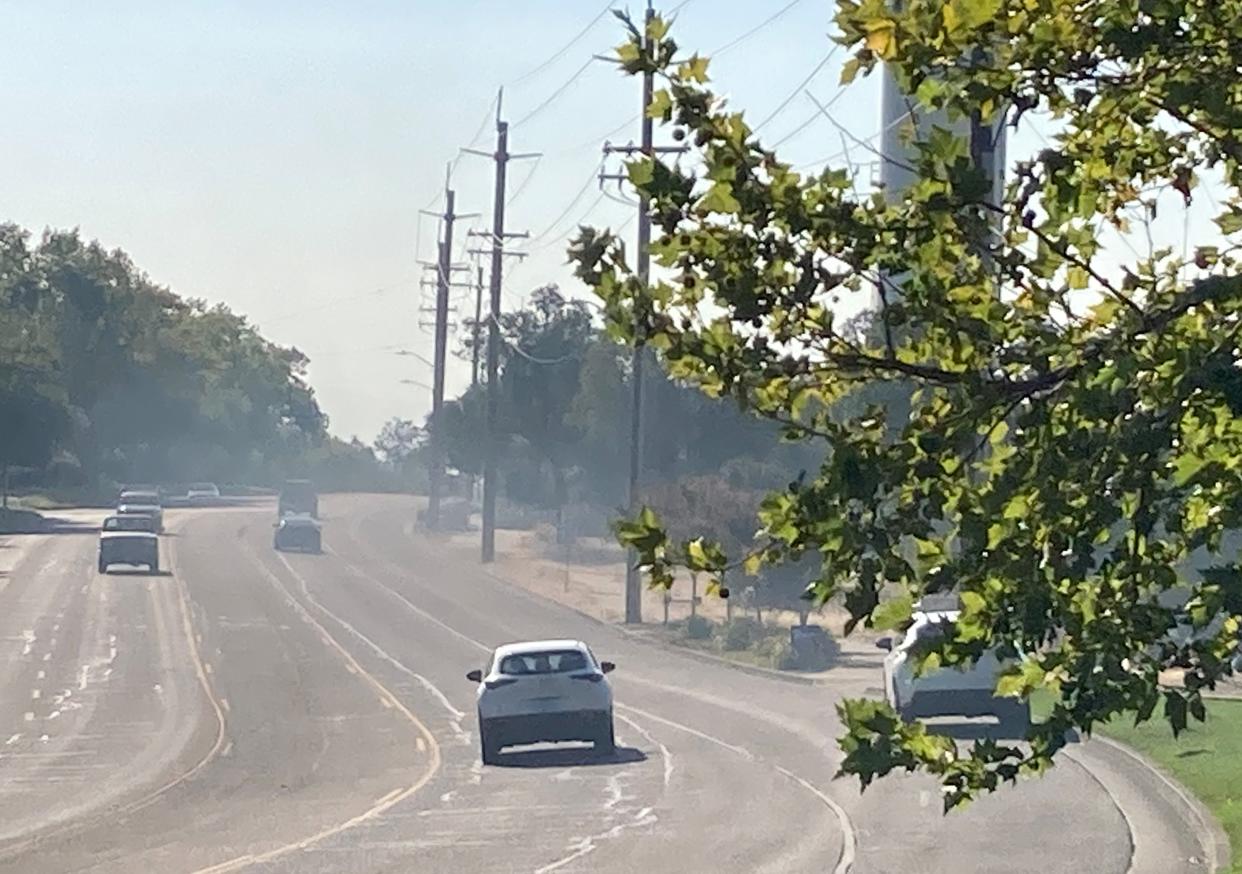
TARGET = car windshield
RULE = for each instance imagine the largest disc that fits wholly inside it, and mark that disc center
(146, 498)
(551, 662)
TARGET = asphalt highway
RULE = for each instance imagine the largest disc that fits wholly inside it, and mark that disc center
(261, 712)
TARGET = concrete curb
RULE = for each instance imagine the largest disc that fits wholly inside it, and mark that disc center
(1208, 830)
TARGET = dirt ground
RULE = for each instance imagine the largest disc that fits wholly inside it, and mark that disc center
(589, 576)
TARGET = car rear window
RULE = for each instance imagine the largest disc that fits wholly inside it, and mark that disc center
(553, 662)
(127, 523)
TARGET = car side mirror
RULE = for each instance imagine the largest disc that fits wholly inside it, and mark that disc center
(607, 667)
(884, 643)
(475, 676)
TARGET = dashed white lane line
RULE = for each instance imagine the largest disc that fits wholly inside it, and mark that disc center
(28, 636)
(47, 657)
(665, 755)
(209, 669)
(42, 675)
(36, 694)
(12, 740)
(29, 717)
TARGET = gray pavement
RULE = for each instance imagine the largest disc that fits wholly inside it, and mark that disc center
(267, 713)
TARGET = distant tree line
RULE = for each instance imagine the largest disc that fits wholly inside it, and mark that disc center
(107, 377)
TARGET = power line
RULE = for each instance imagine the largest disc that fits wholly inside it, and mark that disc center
(780, 13)
(551, 98)
(560, 53)
(784, 104)
(525, 182)
(590, 180)
(522, 353)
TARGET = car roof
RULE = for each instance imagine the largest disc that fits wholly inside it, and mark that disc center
(533, 646)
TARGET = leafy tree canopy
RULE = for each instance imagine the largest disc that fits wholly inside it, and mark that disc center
(1072, 454)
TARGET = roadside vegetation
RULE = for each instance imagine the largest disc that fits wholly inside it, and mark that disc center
(107, 377)
(1070, 458)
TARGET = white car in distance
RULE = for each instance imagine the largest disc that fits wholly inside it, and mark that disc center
(544, 691)
(202, 494)
(953, 691)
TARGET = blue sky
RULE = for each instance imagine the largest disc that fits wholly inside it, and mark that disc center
(275, 155)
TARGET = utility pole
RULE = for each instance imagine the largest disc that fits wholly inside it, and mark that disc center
(501, 157)
(444, 271)
(478, 317)
(647, 148)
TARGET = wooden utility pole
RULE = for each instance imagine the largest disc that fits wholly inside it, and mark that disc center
(501, 157)
(633, 579)
(444, 273)
(477, 328)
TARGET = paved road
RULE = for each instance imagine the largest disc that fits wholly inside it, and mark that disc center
(264, 713)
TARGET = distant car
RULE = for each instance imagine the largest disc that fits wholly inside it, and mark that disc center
(130, 540)
(202, 494)
(300, 532)
(298, 496)
(142, 503)
(946, 691)
(544, 691)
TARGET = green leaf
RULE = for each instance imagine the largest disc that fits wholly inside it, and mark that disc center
(719, 198)
(661, 105)
(894, 614)
(1230, 222)
(694, 70)
(882, 37)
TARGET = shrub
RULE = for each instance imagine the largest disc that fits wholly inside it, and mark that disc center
(774, 649)
(698, 628)
(739, 634)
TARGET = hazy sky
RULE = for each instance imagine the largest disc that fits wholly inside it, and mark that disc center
(275, 155)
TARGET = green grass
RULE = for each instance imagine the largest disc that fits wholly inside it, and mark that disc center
(1206, 759)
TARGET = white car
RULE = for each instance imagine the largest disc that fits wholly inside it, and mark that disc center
(202, 494)
(947, 691)
(130, 540)
(544, 691)
(142, 504)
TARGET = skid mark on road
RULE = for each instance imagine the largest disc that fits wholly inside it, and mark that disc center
(382, 804)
